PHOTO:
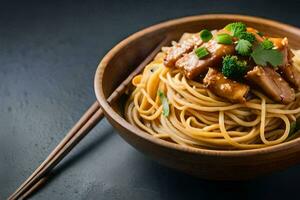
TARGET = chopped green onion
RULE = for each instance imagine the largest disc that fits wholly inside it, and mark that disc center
(165, 103)
(267, 44)
(205, 35)
(201, 52)
(224, 38)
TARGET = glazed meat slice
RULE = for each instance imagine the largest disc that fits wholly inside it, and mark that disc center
(224, 87)
(186, 36)
(292, 75)
(192, 66)
(271, 83)
(289, 72)
(181, 48)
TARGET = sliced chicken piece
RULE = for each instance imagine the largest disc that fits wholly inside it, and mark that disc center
(289, 72)
(181, 48)
(272, 84)
(224, 87)
(192, 66)
(186, 36)
(292, 75)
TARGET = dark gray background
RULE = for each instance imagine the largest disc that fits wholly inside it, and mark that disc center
(48, 55)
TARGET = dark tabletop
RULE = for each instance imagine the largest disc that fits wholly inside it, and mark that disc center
(48, 55)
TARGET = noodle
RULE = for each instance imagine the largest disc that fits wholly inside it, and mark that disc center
(201, 119)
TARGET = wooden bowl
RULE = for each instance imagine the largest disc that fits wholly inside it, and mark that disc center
(207, 164)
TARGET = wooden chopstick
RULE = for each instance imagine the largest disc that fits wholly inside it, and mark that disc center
(91, 117)
(34, 188)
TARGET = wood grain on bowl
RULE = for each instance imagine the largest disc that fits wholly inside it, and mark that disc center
(208, 164)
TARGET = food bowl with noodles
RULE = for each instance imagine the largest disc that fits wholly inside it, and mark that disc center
(220, 101)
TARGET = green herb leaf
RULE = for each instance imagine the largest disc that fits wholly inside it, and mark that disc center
(233, 67)
(236, 28)
(165, 103)
(295, 127)
(224, 38)
(294, 130)
(263, 56)
(260, 33)
(247, 36)
(243, 47)
(267, 44)
(201, 52)
(205, 35)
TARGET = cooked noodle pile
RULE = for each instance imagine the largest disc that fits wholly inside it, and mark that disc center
(200, 119)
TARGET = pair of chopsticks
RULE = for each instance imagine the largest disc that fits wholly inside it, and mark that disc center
(87, 122)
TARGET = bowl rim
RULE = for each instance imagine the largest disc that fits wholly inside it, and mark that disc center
(144, 135)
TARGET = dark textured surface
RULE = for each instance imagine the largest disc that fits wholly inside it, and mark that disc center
(48, 55)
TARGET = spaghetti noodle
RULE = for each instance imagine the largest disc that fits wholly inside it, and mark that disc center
(201, 119)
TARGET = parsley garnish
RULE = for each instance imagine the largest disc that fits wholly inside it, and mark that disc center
(262, 56)
(165, 103)
(267, 44)
(236, 28)
(201, 52)
(243, 47)
(205, 35)
(224, 38)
